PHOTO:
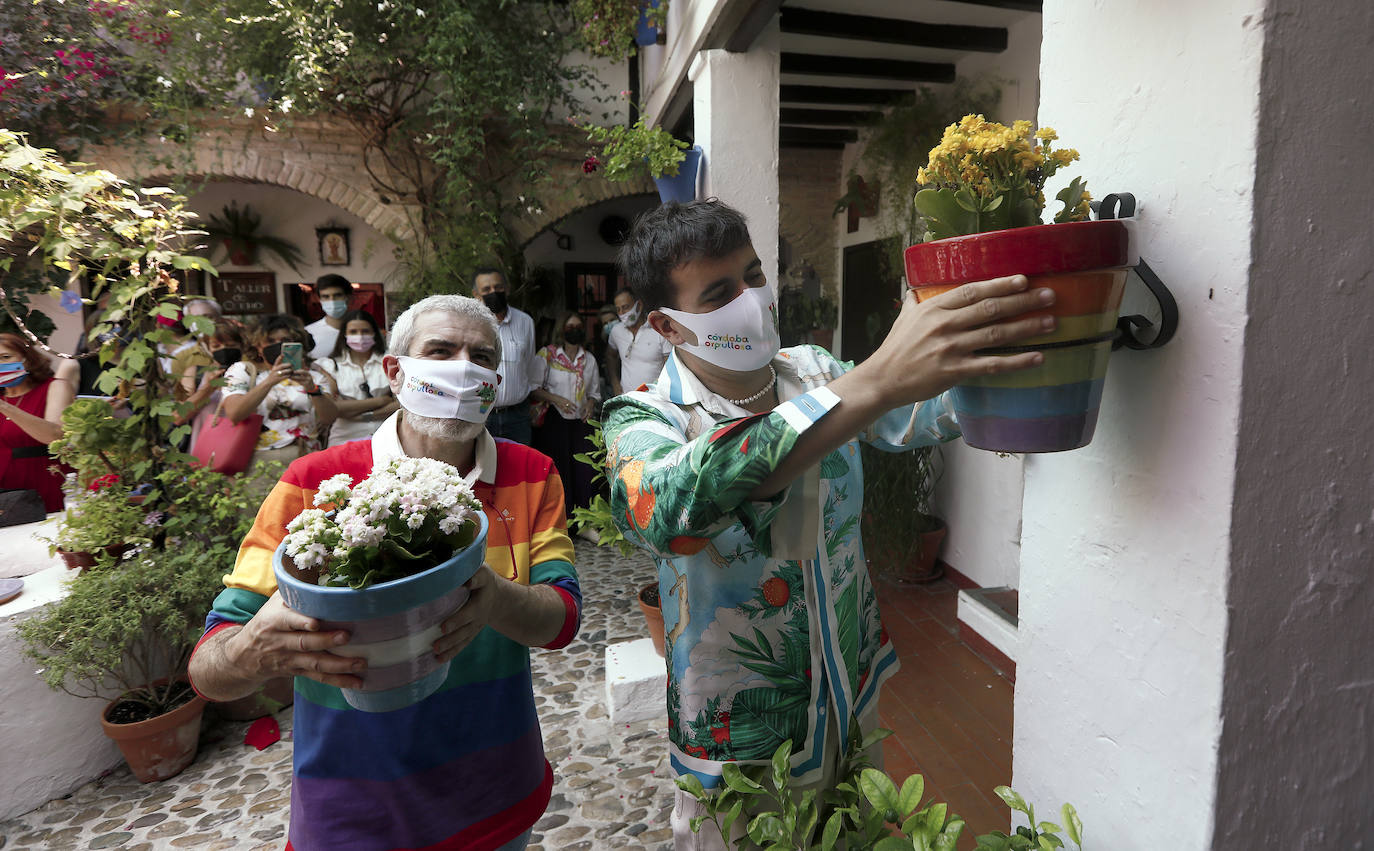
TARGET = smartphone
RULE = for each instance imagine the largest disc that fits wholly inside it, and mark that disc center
(293, 355)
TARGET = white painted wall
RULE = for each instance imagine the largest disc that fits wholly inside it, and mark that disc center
(1125, 544)
(293, 216)
(588, 247)
(735, 110)
(51, 742)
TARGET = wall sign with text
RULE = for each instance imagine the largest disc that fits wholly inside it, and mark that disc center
(252, 293)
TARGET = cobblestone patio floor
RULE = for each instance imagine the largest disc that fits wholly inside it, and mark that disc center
(610, 784)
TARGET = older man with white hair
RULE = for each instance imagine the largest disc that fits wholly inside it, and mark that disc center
(464, 768)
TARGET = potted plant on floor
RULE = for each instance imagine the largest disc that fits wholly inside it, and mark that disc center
(237, 230)
(901, 534)
(386, 560)
(627, 153)
(129, 631)
(863, 809)
(134, 627)
(982, 203)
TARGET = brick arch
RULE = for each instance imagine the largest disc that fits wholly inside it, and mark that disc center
(318, 160)
(581, 190)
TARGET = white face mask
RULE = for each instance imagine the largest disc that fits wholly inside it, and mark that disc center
(334, 308)
(631, 315)
(741, 336)
(447, 389)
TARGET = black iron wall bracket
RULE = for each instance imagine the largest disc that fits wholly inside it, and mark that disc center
(1121, 205)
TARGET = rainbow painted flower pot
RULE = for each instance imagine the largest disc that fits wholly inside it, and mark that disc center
(1054, 406)
(393, 624)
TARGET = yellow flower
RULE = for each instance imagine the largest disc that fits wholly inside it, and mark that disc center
(1064, 156)
(1047, 134)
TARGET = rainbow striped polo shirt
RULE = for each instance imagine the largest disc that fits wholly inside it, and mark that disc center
(464, 768)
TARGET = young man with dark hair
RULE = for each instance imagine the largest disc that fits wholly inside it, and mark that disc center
(334, 292)
(739, 472)
(511, 416)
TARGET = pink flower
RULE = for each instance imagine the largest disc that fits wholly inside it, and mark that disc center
(590, 164)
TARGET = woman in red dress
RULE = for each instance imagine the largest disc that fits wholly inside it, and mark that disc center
(30, 418)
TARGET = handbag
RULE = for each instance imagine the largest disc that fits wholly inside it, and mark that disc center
(226, 446)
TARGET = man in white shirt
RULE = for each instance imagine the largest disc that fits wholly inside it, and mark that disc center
(334, 292)
(637, 351)
(511, 416)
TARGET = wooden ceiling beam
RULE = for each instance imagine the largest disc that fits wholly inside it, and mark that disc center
(837, 117)
(841, 95)
(867, 68)
(798, 136)
(1036, 6)
(893, 31)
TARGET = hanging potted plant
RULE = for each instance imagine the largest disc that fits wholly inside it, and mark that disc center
(981, 203)
(626, 153)
(611, 28)
(237, 230)
(386, 560)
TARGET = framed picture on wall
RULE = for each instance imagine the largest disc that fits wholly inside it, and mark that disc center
(333, 243)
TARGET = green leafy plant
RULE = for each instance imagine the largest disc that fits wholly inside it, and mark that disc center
(237, 228)
(607, 27)
(1038, 836)
(96, 443)
(630, 152)
(898, 490)
(120, 629)
(863, 811)
(102, 517)
(597, 516)
(799, 313)
(984, 176)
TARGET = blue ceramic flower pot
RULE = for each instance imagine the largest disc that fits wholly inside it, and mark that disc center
(645, 32)
(393, 624)
(683, 186)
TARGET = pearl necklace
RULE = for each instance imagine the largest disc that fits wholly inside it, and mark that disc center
(772, 379)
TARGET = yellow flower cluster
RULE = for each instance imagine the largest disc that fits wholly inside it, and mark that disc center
(990, 159)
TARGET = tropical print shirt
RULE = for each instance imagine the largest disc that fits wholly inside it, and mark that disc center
(771, 622)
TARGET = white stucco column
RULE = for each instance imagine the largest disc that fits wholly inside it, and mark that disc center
(1195, 584)
(735, 109)
(1125, 543)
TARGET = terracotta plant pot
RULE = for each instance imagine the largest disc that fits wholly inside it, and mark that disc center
(82, 559)
(275, 695)
(653, 614)
(392, 624)
(924, 567)
(159, 747)
(1054, 406)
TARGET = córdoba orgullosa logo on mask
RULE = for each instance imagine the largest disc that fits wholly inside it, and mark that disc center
(447, 389)
(740, 336)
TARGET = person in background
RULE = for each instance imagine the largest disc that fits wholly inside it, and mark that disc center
(193, 362)
(609, 319)
(637, 352)
(357, 379)
(569, 384)
(334, 292)
(225, 347)
(295, 412)
(31, 407)
(511, 417)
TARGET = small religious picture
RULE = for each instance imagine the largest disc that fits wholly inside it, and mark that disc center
(333, 246)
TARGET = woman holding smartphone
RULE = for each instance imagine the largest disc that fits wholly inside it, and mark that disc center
(274, 380)
(362, 393)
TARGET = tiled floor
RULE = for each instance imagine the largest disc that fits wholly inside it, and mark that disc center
(950, 710)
